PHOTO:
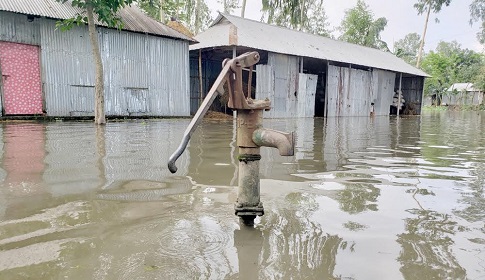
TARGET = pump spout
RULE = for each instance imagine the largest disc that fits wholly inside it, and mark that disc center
(284, 142)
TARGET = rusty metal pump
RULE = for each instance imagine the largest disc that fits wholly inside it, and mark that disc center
(250, 133)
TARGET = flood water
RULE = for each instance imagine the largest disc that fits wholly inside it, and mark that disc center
(363, 198)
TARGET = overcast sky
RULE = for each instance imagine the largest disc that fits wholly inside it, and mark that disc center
(401, 18)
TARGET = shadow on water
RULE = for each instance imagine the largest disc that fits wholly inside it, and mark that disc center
(363, 198)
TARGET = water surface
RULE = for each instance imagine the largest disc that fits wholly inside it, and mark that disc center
(363, 198)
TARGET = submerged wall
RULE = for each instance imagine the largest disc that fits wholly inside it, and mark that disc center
(143, 74)
(354, 92)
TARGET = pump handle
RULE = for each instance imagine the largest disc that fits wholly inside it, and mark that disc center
(204, 107)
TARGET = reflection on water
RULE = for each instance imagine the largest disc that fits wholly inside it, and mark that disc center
(363, 198)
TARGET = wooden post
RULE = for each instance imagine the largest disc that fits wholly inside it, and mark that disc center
(201, 88)
(399, 94)
(2, 96)
(234, 54)
(325, 109)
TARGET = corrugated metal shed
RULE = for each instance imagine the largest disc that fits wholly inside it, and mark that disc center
(14, 28)
(144, 75)
(133, 18)
(462, 87)
(258, 35)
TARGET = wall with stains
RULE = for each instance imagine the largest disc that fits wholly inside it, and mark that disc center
(463, 98)
(383, 84)
(412, 91)
(278, 81)
(348, 92)
(354, 92)
(143, 74)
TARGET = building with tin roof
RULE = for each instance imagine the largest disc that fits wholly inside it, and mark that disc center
(307, 75)
(51, 72)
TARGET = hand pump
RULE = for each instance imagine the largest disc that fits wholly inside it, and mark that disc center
(250, 133)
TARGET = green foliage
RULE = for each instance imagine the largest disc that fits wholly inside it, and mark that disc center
(436, 5)
(229, 5)
(479, 80)
(194, 14)
(450, 64)
(407, 48)
(105, 10)
(304, 15)
(477, 12)
(360, 27)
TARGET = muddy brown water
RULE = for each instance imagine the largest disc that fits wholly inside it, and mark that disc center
(363, 198)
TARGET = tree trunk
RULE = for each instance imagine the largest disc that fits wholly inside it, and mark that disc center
(421, 45)
(198, 22)
(243, 8)
(302, 7)
(101, 154)
(162, 13)
(99, 117)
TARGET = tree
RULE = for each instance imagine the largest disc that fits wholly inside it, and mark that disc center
(229, 5)
(304, 15)
(407, 48)
(450, 64)
(243, 8)
(360, 27)
(428, 6)
(477, 12)
(194, 14)
(106, 12)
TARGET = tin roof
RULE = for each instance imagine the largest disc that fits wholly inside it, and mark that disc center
(258, 35)
(462, 87)
(133, 18)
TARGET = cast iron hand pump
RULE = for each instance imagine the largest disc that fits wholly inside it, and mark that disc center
(250, 133)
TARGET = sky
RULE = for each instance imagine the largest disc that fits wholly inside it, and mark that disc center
(402, 18)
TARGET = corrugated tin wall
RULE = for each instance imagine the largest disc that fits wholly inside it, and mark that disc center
(16, 28)
(412, 91)
(265, 82)
(463, 98)
(348, 92)
(285, 86)
(278, 82)
(307, 86)
(351, 92)
(144, 75)
(67, 70)
(382, 91)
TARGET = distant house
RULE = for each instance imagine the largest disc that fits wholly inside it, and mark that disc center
(306, 75)
(47, 71)
(462, 94)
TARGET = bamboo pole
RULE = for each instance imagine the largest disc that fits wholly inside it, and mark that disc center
(201, 96)
(399, 94)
